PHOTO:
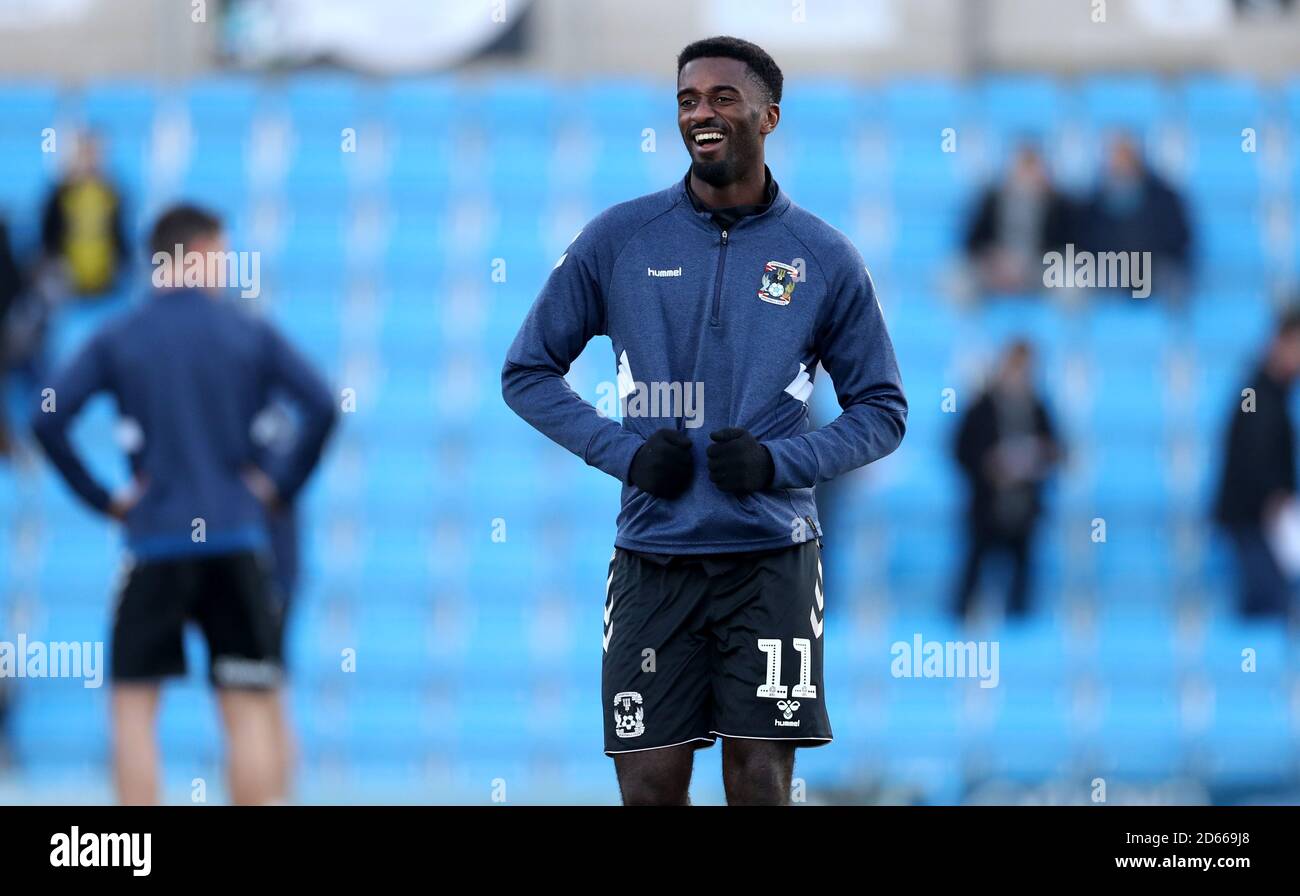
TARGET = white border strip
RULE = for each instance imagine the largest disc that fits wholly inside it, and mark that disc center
(750, 737)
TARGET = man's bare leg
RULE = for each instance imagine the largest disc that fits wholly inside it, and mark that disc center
(287, 748)
(135, 743)
(255, 765)
(656, 777)
(757, 772)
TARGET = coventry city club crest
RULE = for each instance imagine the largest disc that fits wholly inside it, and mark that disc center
(629, 714)
(778, 283)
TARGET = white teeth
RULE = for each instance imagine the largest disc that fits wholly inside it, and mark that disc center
(707, 137)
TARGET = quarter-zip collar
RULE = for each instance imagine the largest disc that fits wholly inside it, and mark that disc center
(730, 217)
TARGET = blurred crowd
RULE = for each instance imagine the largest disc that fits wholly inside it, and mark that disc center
(1006, 445)
(1017, 221)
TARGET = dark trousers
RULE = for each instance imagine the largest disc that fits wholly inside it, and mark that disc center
(983, 542)
(1262, 587)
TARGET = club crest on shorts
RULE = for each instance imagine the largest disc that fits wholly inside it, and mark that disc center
(779, 280)
(629, 714)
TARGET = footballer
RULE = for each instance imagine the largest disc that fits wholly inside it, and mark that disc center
(715, 609)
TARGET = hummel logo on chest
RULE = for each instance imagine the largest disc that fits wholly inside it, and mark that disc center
(671, 272)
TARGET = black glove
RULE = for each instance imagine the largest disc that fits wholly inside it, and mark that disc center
(663, 465)
(738, 462)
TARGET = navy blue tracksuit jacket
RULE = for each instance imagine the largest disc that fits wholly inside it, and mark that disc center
(189, 372)
(685, 302)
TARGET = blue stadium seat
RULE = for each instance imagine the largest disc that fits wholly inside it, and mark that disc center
(1135, 103)
(619, 111)
(419, 105)
(512, 105)
(817, 109)
(935, 102)
(1215, 103)
(1022, 107)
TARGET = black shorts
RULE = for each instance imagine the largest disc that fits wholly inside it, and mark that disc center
(231, 597)
(714, 645)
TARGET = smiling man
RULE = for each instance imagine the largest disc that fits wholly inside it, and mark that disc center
(714, 609)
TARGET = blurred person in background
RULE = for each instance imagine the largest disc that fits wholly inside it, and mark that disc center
(190, 371)
(1257, 485)
(82, 236)
(1006, 447)
(275, 434)
(1133, 209)
(1015, 223)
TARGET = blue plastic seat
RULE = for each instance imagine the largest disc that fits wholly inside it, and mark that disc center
(1134, 103)
(1216, 102)
(1020, 106)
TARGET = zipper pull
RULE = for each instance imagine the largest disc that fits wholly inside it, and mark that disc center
(724, 237)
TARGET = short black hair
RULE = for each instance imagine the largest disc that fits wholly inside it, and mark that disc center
(1288, 320)
(761, 66)
(1019, 348)
(182, 224)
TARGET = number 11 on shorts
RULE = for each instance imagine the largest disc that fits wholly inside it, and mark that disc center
(773, 687)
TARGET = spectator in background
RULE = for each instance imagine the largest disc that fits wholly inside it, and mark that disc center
(1006, 446)
(1134, 210)
(275, 435)
(81, 228)
(1258, 481)
(26, 304)
(1016, 222)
